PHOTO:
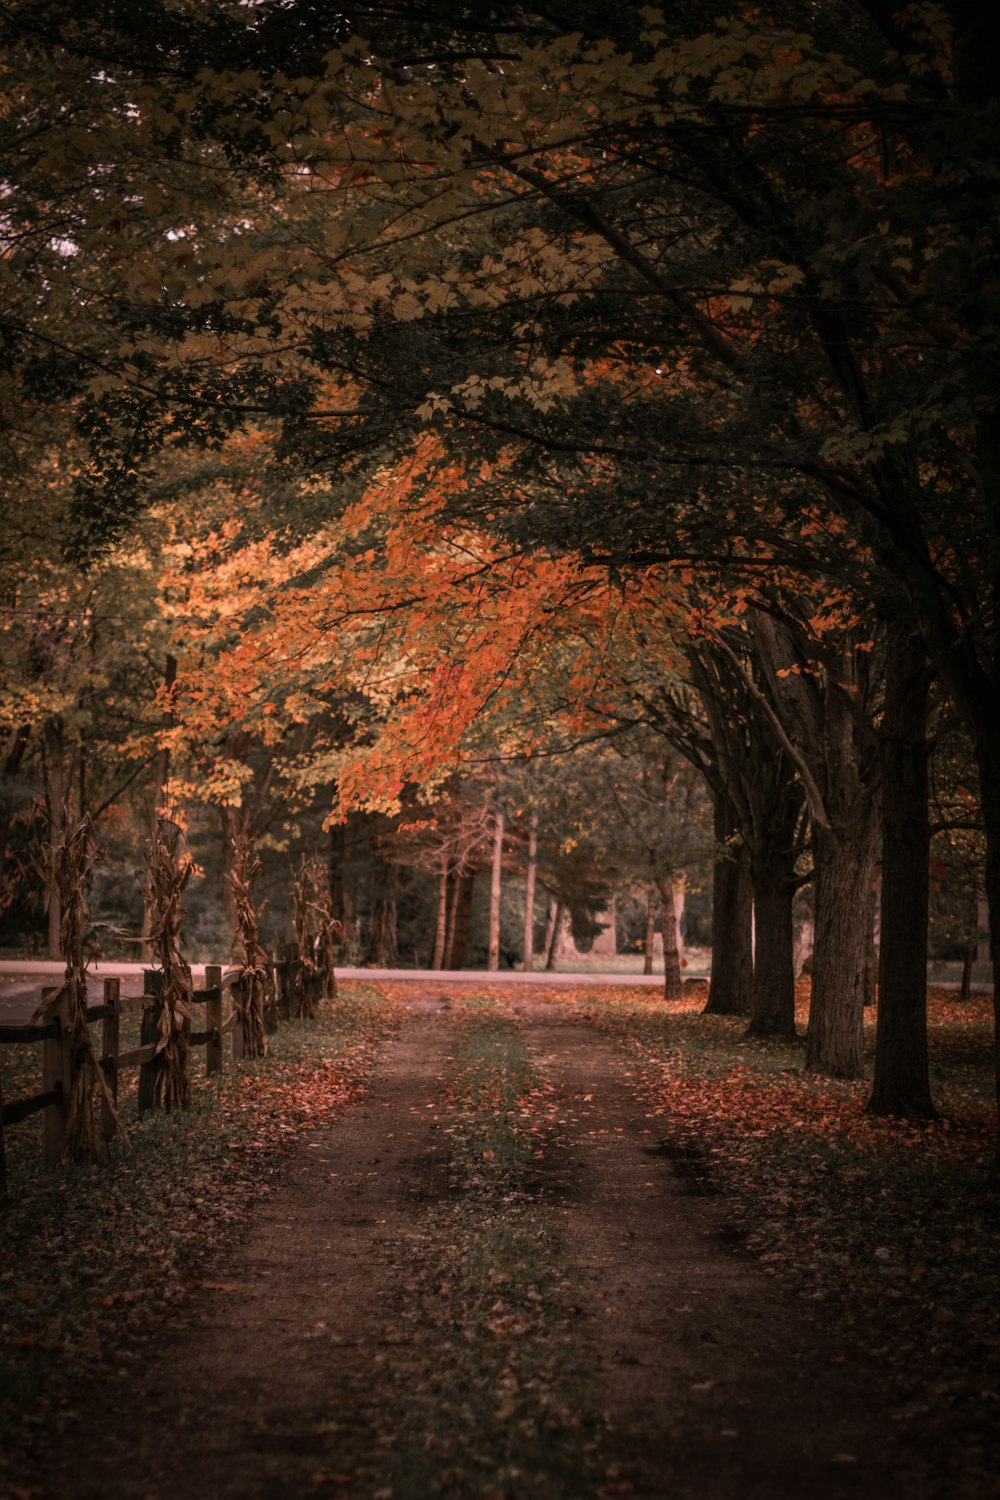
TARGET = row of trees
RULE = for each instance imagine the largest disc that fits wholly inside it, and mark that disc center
(496, 383)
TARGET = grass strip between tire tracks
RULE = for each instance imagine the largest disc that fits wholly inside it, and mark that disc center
(492, 1401)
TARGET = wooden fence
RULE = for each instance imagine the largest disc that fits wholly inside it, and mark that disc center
(50, 1030)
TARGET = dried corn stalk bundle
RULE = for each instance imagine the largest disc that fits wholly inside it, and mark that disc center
(260, 1001)
(324, 929)
(167, 874)
(73, 858)
(327, 944)
(305, 959)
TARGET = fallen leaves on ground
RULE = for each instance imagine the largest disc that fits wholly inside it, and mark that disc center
(93, 1259)
(894, 1224)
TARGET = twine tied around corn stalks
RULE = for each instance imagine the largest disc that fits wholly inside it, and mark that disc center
(260, 1000)
(73, 858)
(167, 874)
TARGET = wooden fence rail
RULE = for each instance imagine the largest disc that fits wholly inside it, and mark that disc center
(56, 1057)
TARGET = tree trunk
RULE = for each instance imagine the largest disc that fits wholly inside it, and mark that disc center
(902, 1081)
(844, 856)
(529, 895)
(57, 802)
(650, 939)
(552, 935)
(11, 766)
(869, 984)
(493, 961)
(160, 775)
(382, 946)
(672, 985)
(231, 819)
(772, 1007)
(988, 756)
(335, 870)
(731, 980)
(460, 926)
(441, 926)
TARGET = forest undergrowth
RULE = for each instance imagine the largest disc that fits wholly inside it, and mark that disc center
(894, 1225)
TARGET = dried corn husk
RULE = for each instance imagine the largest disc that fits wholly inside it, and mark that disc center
(260, 1000)
(167, 873)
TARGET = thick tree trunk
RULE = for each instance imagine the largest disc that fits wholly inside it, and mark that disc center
(731, 981)
(844, 857)
(496, 871)
(988, 755)
(529, 895)
(460, 926)
(441, 926)
(552, 934)
(11, 766)
(869, 984)
(335, 870)
(383, 946)
(650, 939)
(902, 1081)
(672, 984)
(772, 1008)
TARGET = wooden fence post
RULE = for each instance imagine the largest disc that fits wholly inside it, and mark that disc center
(109, 1049)
(56, 1075)
(213, 1020)
(238, 1028)
(152, 985)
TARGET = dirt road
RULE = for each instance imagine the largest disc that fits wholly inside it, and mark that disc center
(336, 1351)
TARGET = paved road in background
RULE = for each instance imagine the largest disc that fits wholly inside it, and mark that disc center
(21, 984)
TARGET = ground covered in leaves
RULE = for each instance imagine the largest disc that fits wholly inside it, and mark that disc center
(93, 1259)
(894, 1225)
(500, 1288)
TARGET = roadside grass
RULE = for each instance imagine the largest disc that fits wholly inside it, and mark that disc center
(498, 1405)
(894, 1224)
(94, 1259)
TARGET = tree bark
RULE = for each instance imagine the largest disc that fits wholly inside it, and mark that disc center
(460, 926)
(382, 943)
(902, 1080)
(869, 985)
(772, 1009)
(493, 961)
(441, 926)
(231, 819)
(529, 895)
(57, 802)
(650, 939)
(731, 981)
(672, 983)
(552, 935)
(965, 984)
(844, 855)
(160, 775)
(988, 756)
